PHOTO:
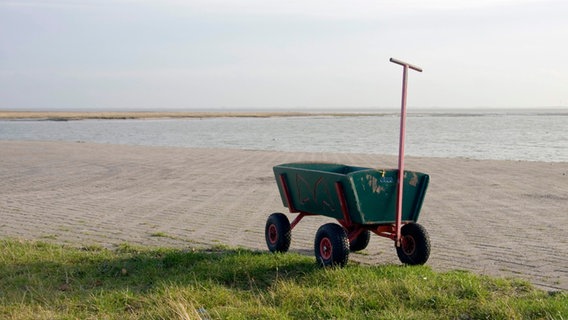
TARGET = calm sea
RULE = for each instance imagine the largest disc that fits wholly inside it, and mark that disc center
(527, 135)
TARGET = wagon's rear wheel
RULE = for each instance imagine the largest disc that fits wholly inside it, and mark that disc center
(360, 242)
(331, 245)
(415, 245)
(278, 232)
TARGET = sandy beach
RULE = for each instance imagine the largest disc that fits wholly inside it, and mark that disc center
(501, 218)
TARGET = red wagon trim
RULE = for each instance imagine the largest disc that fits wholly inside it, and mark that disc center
(282, 178)
(343, 203)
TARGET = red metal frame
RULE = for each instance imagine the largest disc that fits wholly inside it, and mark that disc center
(298, 219)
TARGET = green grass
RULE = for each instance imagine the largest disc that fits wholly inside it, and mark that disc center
(44, 281)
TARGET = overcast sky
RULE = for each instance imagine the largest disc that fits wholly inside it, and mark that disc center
(174, 54)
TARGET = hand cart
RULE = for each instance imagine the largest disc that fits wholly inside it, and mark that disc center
(386, 202)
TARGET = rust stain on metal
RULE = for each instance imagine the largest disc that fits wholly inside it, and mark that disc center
(414, 180)
(374, 184)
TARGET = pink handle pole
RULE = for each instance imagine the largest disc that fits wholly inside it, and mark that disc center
(400, 182)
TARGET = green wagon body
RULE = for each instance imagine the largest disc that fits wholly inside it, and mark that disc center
(370, 194)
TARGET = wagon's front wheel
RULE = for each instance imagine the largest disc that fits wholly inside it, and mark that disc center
(331, 245)
(415, 245)
(278, 232)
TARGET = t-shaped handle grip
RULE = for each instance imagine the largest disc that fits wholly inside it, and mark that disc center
(402, 63)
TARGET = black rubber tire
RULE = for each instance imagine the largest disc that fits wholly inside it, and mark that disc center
(415, 246)
(278, 232)
(361, 242)
(331, 246)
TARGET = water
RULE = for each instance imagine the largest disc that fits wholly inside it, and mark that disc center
(522, 136)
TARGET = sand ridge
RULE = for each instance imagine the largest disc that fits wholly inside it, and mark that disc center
(110, 115)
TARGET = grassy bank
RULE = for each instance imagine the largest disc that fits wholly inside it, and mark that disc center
(43, 281)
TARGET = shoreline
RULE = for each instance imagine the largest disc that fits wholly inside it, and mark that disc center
(338, 154)
(125, 115)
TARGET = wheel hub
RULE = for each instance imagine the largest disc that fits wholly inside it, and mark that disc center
(325, 248)
(272, 234)
(408, 245)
